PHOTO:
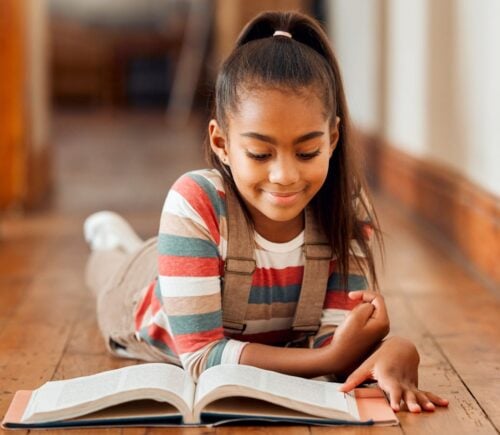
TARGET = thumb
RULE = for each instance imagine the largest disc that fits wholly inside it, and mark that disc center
(359, 375)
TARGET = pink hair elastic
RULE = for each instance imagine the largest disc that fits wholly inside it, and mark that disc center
(282, 33)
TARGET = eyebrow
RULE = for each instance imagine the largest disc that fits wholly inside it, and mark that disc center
(272, 140)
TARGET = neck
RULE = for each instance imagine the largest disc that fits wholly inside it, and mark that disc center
(281, 232)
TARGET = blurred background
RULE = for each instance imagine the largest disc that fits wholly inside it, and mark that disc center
(103, 104)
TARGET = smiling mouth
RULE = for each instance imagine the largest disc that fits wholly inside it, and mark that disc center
(284, 198)
(284, 194)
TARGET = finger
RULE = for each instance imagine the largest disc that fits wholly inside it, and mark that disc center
(411, 401)
(424, 401)
(362, 312)
(435, 399)
(380, 311)
(364, 295)
(359, 375)
(395, 393)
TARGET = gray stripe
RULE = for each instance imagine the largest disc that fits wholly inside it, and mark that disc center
(193, 323)
(180, 246)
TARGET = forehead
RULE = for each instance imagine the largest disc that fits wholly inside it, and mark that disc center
(273, 109)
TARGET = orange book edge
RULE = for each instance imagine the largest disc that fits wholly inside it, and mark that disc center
(373, 405)
(17, 407)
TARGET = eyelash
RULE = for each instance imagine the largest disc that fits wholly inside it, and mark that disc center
(302, 156)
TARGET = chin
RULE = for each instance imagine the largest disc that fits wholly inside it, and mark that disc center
(282, 214)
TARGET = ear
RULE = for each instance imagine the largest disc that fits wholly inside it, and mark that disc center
(218, 141)
(334, 135)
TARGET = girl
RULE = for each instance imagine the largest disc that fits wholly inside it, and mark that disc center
(205, 292)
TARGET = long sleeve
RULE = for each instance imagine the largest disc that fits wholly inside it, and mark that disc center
(189, 266)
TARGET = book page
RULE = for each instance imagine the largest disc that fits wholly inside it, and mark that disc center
(77, 392)
(307, 391)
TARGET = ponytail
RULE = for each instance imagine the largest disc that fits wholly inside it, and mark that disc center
(303, 62)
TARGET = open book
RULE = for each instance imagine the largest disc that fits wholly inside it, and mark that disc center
(157, 394)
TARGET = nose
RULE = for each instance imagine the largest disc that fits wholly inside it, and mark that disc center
(284, 171)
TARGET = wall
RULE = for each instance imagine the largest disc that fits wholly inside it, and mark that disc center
(438, 98)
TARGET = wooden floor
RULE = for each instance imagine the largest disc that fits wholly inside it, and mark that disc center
(126, 163)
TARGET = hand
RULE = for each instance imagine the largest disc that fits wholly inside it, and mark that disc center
(395, 366)
(364, 327)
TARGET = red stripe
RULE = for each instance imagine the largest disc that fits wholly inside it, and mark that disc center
(192, 342)
(200, 201)
(327, 341)
(340, 300)
(143, 306)
(158, 333)
(278, 277)
(169, 265)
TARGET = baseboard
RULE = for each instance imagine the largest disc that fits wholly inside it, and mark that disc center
(465, 215)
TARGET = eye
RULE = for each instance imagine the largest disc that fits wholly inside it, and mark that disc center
(258, 156)
(308, 156)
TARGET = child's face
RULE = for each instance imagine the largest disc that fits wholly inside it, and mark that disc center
(278, 148)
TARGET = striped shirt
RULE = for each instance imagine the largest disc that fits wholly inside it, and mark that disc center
(180, 311)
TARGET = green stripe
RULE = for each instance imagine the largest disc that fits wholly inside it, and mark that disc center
(354, 282)
(143, 333)
(211, 191)
(215, 355)
(193, 323)
(179, 246)
(272, 294)
(320, 340)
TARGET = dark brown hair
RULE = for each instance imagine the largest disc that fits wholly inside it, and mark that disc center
(304, 62)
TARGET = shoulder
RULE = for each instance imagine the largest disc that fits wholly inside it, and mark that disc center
(196, 198)
(203, 186)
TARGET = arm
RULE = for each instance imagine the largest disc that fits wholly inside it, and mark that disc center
(364, 327)
(189, 276)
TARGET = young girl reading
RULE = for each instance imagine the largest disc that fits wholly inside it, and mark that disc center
(265, 258)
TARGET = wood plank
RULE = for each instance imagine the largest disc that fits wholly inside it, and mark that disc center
(33, 340)
(436, 375)
(452, 307)
(263, 430)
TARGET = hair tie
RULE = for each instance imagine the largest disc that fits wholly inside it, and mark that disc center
(282, 33)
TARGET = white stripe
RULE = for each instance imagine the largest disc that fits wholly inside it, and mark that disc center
(281, 260)
(276, 324)
(177, 205)
(185, 286)
(356, 249)
(333, 316)
(189, 362)
(161, 319)
(223, 247)
(232, 351)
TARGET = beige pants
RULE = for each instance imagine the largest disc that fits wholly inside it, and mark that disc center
(117, 280)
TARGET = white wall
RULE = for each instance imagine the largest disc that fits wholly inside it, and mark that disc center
(440, 98)
(357, 52)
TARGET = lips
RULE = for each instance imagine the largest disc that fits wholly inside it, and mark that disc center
(284, 194)
(284, 198)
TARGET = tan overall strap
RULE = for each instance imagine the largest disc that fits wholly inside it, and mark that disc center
(239, 265)
(318, 254)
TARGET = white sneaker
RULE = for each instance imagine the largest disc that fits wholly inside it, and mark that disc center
(107, 230)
